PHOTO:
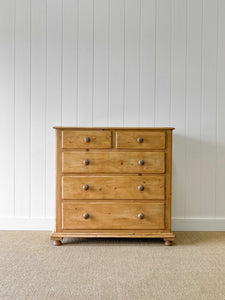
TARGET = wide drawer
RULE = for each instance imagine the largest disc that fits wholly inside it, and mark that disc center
(113, 187)
(86, 139)
(113, 162)
(105, 215)
(140, 140)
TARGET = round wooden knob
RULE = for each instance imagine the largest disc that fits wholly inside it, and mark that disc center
(141, 216)
(86, 162)
(141, 187)
(86, 216)
(140, 140)
(141, 162)
(87, 139)
(86, 187)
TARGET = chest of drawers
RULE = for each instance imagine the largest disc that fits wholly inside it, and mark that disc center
(113, 182)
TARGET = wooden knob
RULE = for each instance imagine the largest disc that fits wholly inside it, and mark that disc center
(140, 140)
(141, 162)
(86, 216)
(87, 139)
(141, 216)
(86, 187)
(141, 187)
(86, 162)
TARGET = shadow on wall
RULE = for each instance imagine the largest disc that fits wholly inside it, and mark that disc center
(198, 177)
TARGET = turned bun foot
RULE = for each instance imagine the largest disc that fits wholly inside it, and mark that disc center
(168, 243)
(57, 243)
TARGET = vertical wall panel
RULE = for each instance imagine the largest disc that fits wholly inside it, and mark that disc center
(53, 94)
(220, 163)
(178, 104)
(38, 105)
(116, 62)
(22, 108)
(101, 47)
(69, 62)
(85, 63)
(132, 63)
(209, 107)
(147, 62)
(163, 62)
(7, 12)
(193, 108)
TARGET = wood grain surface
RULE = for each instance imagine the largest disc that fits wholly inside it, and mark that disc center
(113, 162)
(123, 215)
(151, 139)
(113, 187)
(76, 139)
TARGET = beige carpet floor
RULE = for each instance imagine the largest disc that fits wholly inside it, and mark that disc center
(95, 269)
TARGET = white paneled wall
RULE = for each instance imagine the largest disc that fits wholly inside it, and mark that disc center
(112, 63)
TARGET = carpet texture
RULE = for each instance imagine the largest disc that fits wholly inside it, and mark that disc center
(95, 269)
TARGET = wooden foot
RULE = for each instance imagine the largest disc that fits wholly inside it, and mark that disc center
(168, 243)
(57, 243)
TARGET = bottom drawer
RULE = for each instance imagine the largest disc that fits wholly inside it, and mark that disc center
(112, 215)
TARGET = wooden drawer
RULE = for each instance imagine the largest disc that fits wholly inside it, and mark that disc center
(113, 162)
(86, 139)
(113, 187)
(140, 140)
(107, 215)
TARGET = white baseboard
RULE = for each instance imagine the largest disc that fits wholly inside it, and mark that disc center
(198, 224)
(178, 224)
(23, 223)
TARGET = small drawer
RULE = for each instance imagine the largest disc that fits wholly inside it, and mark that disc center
(86, 139)
(107, 215)
(154, 140)
(113, 162)
(113, 187)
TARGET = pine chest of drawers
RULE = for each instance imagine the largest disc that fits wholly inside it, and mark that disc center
(113, 182)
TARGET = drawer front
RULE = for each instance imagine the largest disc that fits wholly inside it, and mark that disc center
(113, 187)
(123, 215)
(86, 139)
(113, 162)
(140, 140)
